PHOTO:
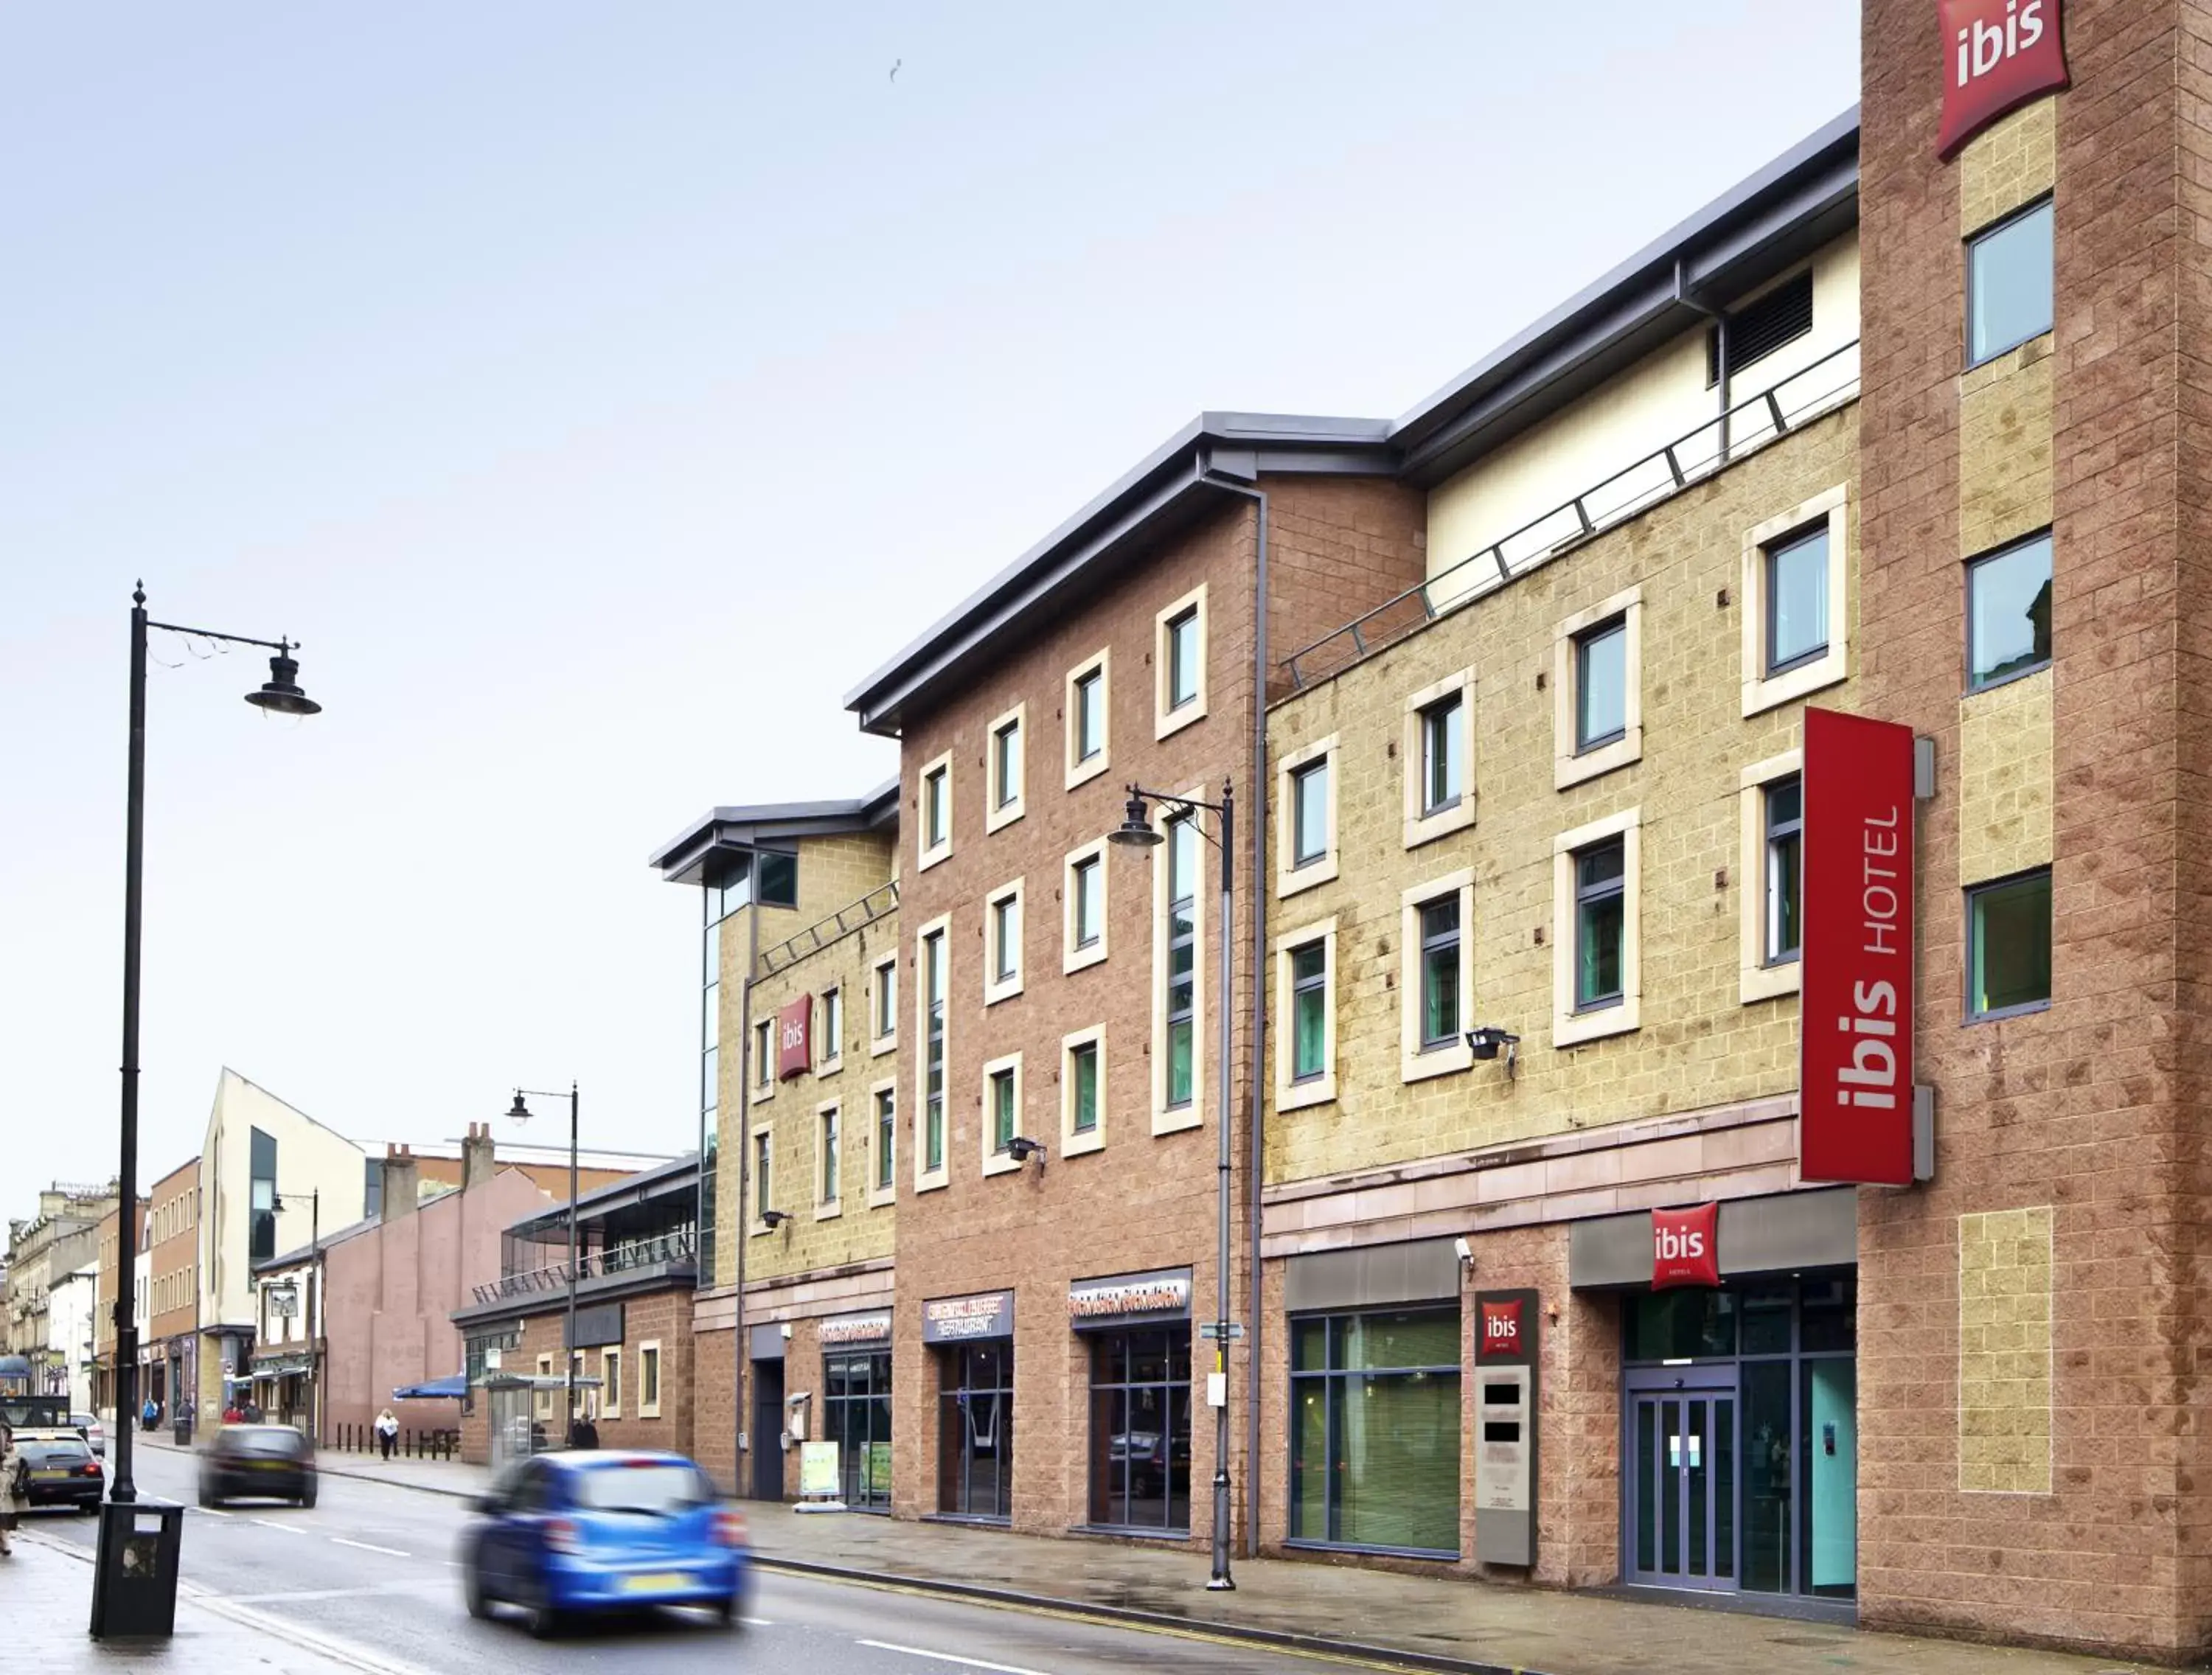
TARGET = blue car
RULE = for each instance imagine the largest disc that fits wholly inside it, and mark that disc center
(563, 1535)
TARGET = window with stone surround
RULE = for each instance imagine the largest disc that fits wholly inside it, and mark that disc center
(2008, 283)
(1435, 975)
(1305, 1008)
(1597, 679)
(1082, 1091)
(1087, 718)
(1596, 952)
(1083, 906)
(1004, 778)
(1793, 603)
(1179, 658)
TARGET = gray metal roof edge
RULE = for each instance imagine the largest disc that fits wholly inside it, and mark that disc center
(1677, 240)
(1261, 430)
(831, 812)
(632, 1186)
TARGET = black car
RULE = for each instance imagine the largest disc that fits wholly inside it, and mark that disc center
(265, 1462)
(63, 1473)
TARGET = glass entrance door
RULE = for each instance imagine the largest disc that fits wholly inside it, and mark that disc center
(1681, 1489)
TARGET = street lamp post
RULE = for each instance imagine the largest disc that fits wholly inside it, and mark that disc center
(1137, 832)
(520, 1113)
(280, 695)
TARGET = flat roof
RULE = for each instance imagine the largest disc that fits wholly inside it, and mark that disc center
(679, 1175)
(1753, 231)
(705, 851)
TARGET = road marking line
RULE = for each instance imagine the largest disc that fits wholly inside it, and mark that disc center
(213, 1511)
(370, 1547)
(268, 1523)
(948, 1657)
(757, 1623)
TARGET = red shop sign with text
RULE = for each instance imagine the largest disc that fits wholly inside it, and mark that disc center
(1997, 56)
(794, 1038)
(1501, 1329)
(1854, 1074)
(1686, 1247)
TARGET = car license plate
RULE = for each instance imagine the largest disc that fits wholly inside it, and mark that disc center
(49, 1477)
(657, 1582)
(270, 1464)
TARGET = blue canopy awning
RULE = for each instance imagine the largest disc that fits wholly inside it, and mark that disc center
(456, 1387)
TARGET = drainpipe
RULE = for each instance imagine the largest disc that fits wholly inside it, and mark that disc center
(746, 1073)
(1684, 295)
(1254, 1124)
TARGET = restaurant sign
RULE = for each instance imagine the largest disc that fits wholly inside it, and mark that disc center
(1165, 1292)
(960, 1319)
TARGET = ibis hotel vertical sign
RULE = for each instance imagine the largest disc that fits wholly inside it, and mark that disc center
(1997, 55)
(1855, 1087)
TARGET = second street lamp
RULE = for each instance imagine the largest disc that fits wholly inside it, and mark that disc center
(1137, 832)
(520, 1113)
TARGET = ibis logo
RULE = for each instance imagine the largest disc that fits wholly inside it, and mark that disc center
(794, 1038)
(1501, 1329)
(1998, 55)
(1685, 1247)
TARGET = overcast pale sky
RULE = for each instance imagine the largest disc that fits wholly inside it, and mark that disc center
(600, 391)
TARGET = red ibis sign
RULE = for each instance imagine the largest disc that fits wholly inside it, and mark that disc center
(794, 1038)
(1501, 1329)
(1997, 56)
(1855, 1075)
(1686, 1247)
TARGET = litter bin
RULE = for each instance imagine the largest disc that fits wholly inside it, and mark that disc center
(134, 1584)
(182, 1430)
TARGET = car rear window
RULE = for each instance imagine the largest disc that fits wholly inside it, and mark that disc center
(40, 1453)
(275, 1441)
(653, 1485)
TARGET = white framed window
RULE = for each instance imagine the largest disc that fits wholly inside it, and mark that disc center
(1083, 906)
(1082, 1091)
(1002, 1113)
(1436, 976)
(764, 1177)
(830, 1051)
(1597, 976)
(1305, 1001)
(882, 1142)
(1002, 943)
(1305, 805)
(1178, 971)
(1770, 844)
(648, 1379)
(1796, 632)
(829, 1163)
(1087, 711)
(1438, 749)
(763, 1059)
(1597, 689)
(883, 1007)
(610, 1381)
(1179, 692)
(932, 1038)
(934, 813)
(541, 1401)
(1006, 775)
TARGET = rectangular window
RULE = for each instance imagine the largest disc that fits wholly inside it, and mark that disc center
(1183, 655)
(1375, 1431)
(779, 880)
(1440, 1000)
(2009, 283)
(1443, 755)
(1310, 813)
(1140, 1430)
(1310, 1012)
(1090, 714)
(833, 1025)
(611, 1383)
(886, 1137)
(1006, 765)
(825, 1147)
(763, 1158)
(1087, 718)
(648, 1380)
(1003, 1110)
(933, 1116)
(1086, 885)
(2008, 935)
(1183, 864)
(2009, 612)
(937, 808)
(1785, 887)
(1006, 938)
(263, 1226)
(1797, 600)
(1601, 685)
(887, 1000)
(543, 1399)
(1082, 1088)
(764, 1056)
(1601, 925)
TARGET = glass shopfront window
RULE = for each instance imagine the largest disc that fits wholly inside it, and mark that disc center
(857, 1418)
(1141, 1429)
(1375, 1431)
(975, 1431)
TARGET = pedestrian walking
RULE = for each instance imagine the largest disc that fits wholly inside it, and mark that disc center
(14, 1489)
(387, 1433)
(150, 1414)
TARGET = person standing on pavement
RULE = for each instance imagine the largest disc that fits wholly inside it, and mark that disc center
(387, 1433)
(14, 1489)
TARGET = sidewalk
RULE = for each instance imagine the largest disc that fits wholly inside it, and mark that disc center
(1447, 1623)
(46, 1601)
(437, 1476)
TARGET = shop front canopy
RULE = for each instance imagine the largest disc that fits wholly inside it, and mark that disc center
(433, 1389)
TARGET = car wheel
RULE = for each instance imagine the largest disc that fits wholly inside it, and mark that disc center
(90, 1509)
(472, 1592)
(542, 1620)
(308, 1501)
(209, 1502)
(729, 1613)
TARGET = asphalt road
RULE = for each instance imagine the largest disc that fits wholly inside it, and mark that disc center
(372, 1571)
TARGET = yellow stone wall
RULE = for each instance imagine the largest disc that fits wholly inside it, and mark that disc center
(2008, 164)
(2004, 447)
(2004, 1351)
(2005, 778)
(1699, 1044)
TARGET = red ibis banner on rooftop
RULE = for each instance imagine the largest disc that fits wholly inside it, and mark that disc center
(1855, 1080)
(1997, 55)
(794, 1038)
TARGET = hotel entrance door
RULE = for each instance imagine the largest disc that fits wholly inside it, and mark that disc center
(1681, 1487)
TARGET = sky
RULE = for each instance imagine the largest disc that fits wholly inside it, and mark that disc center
(601, 392)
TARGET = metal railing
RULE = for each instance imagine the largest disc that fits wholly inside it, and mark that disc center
(662, 1250)
(1718, 443)
(820, 934)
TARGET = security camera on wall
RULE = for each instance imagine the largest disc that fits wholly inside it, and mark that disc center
(1459, 1249)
